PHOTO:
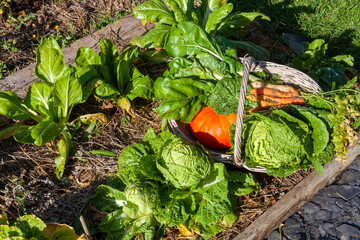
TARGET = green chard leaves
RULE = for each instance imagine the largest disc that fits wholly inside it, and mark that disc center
(115, 74)
(182, 188)
(213, 17)
(49, 102)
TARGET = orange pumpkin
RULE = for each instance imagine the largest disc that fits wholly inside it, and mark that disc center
(211, 129)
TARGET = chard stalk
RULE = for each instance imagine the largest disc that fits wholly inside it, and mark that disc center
(34, 115)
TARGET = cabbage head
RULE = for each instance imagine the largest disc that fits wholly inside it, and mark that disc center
(183, 164)
(142, 198)
(272, 144)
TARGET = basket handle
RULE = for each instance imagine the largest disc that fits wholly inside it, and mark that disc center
(247, 62)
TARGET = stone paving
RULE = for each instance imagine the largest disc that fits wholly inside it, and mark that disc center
(333, 213)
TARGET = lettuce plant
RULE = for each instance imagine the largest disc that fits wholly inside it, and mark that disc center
(49, 103)
(328, 72)
(215, 17)
(165, 181)
(118, 79)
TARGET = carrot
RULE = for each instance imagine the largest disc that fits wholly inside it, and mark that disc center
(265, 100)
(283, 100)
(252, 98)
(283, 88)
(272, 92)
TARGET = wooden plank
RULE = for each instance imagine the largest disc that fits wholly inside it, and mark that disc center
(123, 30)
(296, 198)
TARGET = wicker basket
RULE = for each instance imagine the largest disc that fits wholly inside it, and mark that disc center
(288, 75)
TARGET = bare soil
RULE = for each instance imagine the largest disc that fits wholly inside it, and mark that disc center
(28, 184)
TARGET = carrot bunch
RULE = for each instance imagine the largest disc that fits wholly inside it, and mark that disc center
(272, 95)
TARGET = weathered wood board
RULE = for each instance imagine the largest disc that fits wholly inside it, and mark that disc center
(130, 27)
(125, 29)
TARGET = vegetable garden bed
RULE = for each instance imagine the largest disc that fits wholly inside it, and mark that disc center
(259, 214)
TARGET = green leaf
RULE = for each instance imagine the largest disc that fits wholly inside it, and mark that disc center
(11, 106)
(181, 98)
(45, 132)
(154, 11)
(207, 7)
(123, 75)
(30, 225)
(311, 56)
(86, 57)
(64, 146)
(88, 78)
(180, 15)
(239, 21)
(7, 232)
(106, 91)
(108, 55)
(213, 5)
(155, 38)
(24, 135)
(146, 226)
(67, 93)
(185, 5)
(188, 38)
(142, 87)
(329, 77)
(320, 134)
(254, 50)
(155, 142)
(345, 59)
(319, 169)
(129, 162)
(107, 198)
(103, 153)
(10, 131)
(241, 183)
(177, 211)
(215, 202)
(291, 118)
(114, 224)
(129, 54)
(224, 97)
(49, 61)
(216, 17)
(38, 98)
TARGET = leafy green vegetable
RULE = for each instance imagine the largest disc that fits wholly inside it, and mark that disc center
(49, 103)
(185, 189)
(328, 72)
(188, 38)
(117, 76)
(272, 145)
(183, 164)
(224, 98)
(212, 16)
(181, 98)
